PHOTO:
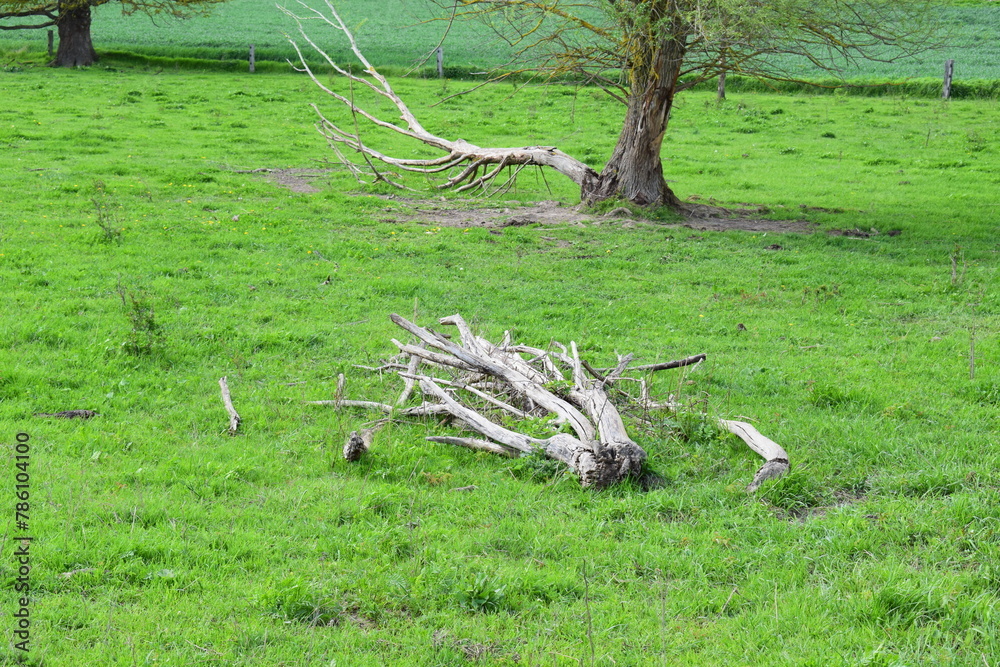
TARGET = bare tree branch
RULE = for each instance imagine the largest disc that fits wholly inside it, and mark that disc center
(227, 401)
(457, 152)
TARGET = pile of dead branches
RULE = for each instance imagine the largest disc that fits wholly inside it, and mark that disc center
(520, 383)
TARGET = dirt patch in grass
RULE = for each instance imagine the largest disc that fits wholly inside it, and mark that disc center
(296, 180)
(736, 220)
(748, 218)
(451, 213)
(446, 212)
(862, 234)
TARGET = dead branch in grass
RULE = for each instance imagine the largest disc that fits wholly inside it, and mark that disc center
(525, 385)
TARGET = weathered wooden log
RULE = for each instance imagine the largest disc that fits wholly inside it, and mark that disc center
(358, 443)
(528, 383)
(555, 382)
(775, 458)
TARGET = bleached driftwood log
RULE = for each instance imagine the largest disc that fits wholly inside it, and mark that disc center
(775, 458)
(599, 449)
(234, 417)
(589, 435)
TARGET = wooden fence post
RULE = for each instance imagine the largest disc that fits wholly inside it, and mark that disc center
(949, 69)
(721, 90)
(51, 40)
(440, 61)
(252, 59)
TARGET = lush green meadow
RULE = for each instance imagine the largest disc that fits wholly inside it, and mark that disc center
(138, 267)
(401, 34)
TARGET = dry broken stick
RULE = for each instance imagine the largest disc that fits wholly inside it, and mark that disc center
(611, 374)
(775, 458)
(234, 417)
(424, 410)
(360, 441)
(68, 414)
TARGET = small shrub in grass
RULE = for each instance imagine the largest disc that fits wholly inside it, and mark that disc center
(891, 606)
(930, 483)
(107, 215)
(145, 336)
(295, 600)
(483, 595)
(109, 223)
(795, 492)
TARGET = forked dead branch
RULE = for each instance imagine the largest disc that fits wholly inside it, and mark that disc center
(469, 167)
(489, 385)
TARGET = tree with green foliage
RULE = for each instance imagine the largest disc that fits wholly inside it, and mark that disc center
(73, 17)
(643, 53)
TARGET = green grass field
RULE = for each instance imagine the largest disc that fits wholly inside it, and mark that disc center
(138, 267)
(400, 33)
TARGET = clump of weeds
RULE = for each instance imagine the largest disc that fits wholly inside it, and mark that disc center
(107, 216)
(145, 335)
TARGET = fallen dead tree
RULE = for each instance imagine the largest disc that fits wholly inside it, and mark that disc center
(529, 383)
(470, 167)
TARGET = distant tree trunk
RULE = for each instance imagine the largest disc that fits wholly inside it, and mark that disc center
(720, 91)
(634, 171)
(75, 47)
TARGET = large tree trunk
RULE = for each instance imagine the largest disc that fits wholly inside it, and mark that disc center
(634, 171)
(75, 47)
